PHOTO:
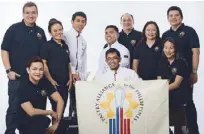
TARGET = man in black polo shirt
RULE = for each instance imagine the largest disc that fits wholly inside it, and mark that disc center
(32, 97)
(129, 37)
(188, 43)
(21, 42)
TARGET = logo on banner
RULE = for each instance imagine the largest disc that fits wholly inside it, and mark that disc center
(119, 106)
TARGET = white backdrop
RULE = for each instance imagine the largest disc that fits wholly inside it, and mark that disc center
(101, 14)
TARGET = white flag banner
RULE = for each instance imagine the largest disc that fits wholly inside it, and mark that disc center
(123, 107)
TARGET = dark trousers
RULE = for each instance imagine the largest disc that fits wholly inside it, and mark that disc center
(11, 123)
(177, 118)
(191, 114)
(36, 125)
(63, 91)
(72, 107)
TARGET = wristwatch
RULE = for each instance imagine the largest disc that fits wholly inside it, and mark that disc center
(194, 71)
(8, 70)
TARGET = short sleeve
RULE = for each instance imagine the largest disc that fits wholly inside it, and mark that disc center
(7, 39)
(163, 69)
(69, 61)
(44, 39)
(181, 67)
(136, 54)
(24, 95)
(44, 52)
(194, 40)
(125, 58)
(49, 87)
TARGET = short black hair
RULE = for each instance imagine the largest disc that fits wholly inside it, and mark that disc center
(170, 39)
(112, 50)
(175, 8)
(80, 13)
(52, 22)
(30, 4)
(34, 59)
(114, 27)
(144, 38)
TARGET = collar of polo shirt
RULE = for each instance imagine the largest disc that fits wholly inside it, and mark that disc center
(179, 28)
(129, 32)
(113, 45)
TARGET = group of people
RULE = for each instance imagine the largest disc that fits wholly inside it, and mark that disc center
(37, 68)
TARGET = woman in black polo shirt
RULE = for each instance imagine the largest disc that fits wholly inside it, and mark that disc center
(55, 55)
(32, 93)
(174, 68)
(148, 52)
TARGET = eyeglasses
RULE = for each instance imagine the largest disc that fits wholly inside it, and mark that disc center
(112, 58)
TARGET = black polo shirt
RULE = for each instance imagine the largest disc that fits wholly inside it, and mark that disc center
(58, 60)
(186, 38)
(130, 41)
(148, 59)
(22, 42)
(35, 94)
(170, 71)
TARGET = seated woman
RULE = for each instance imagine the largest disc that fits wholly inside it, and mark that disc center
(174, 68)
(32, 94)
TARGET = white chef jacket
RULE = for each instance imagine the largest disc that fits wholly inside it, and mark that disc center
(78, 56)
(122, 74)
(124, 53)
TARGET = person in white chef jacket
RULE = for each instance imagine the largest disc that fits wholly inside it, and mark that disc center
(78, 56)
(77, 46)
(116, 71)
(111, 36)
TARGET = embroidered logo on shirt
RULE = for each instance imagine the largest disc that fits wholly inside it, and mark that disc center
(174, 70)
(181, 34)
(39, 36)
(43, 92)
(67, 51)
(133, 42)
(125, 56)
(156, 48)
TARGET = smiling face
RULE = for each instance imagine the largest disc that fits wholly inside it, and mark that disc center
(127, 22)
(56, 31)
(111, 36)
(79, 23)
(30, 15)
(151, 32)
(174, 18)
(113, 60)
(169, 50)
(35, 71)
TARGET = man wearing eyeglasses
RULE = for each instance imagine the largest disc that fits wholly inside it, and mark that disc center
(116, 72)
